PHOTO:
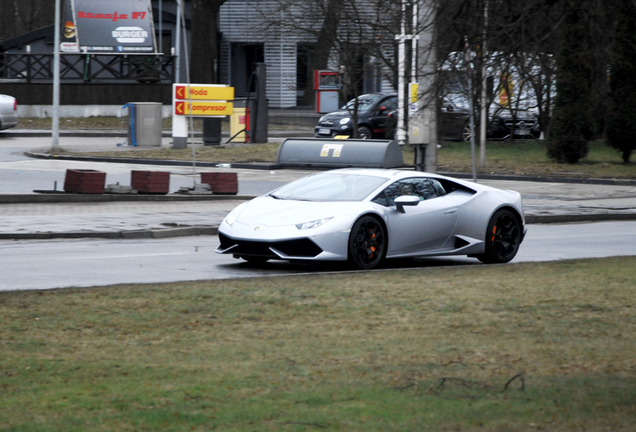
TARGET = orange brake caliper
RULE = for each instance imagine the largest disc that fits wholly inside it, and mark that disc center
(372, 246)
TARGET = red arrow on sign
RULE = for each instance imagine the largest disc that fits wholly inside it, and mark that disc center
(181, 92)
(180, 108)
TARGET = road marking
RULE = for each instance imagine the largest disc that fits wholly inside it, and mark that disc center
(129, 256)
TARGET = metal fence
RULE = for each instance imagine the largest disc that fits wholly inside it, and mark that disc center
(123, 68)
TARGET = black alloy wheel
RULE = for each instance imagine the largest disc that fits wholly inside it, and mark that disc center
(367, 243)
(466, 132)
(503, 238)
(364, 133)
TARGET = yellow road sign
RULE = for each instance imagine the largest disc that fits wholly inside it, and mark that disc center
(203, 92)
(203, 109)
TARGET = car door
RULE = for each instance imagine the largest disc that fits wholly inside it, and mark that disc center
(378, 116)
(421, 228)
(452, 121)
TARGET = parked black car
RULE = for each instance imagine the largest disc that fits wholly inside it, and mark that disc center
(373, 109)
(526, 125)
(454, 122)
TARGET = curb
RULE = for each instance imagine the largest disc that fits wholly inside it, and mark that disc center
(546, 179)
(118, 235)
(578, 218)
(246, 165)
(120, 133)
(192, 231)
(65, 197)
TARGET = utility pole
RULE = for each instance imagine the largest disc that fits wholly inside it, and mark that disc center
(484, 92)
(55, 129)
(401, 132)
(423, 125)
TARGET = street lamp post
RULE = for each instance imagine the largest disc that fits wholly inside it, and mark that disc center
(56, 78)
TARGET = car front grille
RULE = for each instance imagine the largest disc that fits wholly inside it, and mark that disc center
(297, 248)
(520, 124)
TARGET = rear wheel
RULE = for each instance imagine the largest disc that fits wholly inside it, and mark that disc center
(503, 238)
(367, 243)
(466, 132)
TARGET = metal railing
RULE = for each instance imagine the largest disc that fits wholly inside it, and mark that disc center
(90, 67)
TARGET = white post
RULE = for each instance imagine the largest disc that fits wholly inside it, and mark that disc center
(56, 78)
(177, 43)
(401, 133)
(160, 27)
(414, 40)
(423, 125)
(484, 94)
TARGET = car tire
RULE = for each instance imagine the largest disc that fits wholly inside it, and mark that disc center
(503, 238)
(466, 132)
(364, 133)
(367, 243)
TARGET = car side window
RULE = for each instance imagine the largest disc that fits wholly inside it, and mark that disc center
(390, 104)
(437, 187)
(423, 188)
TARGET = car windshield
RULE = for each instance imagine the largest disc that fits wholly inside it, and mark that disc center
(329, 187)
(364, 102)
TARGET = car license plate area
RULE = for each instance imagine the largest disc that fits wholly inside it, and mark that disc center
(324, 131)
(522, 132)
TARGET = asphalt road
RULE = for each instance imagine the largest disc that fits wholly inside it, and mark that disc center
(83, 263)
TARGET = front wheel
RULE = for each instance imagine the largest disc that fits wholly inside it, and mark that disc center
(364, 133)
(367, 243)
(466, 132)
(503, 238)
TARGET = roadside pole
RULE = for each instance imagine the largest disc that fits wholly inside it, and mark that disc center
(484, 94)
(423, 125)
(56, 78)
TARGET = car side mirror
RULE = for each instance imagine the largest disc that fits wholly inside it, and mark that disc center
(382, 109)
(406, 200)
(448, 108)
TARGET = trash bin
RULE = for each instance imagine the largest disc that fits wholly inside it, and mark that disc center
(144, 123)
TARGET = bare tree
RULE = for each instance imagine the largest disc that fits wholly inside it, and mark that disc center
(204, 21)
(354, 37)
(21, 16)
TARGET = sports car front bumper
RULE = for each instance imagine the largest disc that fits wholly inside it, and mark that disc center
(301, 248)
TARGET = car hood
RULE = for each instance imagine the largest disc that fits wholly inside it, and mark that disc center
(519, 114)
(268, 211)
(336, 115)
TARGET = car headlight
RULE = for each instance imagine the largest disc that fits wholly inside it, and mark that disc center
(234, 214)
(230, 218)
(345, 120)
(312, 224)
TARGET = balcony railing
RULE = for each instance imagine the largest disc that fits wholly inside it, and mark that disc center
(33, 68)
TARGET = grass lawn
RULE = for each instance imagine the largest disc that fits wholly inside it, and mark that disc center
(529, 157)
(533, 346)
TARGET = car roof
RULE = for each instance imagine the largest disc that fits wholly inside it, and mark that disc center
(393, 174)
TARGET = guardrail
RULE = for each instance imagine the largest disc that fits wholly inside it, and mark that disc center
(29, 68)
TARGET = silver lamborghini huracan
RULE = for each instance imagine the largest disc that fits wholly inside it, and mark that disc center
(365, 216)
